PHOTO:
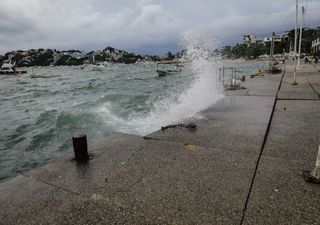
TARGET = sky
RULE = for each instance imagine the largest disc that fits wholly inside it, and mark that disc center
(142, 26)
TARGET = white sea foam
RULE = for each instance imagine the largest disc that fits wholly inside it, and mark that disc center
(204, 91)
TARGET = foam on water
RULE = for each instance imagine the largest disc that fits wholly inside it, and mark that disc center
(204, 91)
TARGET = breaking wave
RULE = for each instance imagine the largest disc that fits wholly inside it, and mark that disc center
(202, 92)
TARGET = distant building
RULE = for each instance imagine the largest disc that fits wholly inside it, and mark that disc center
(285, 36)
(78, 55)
(10, 56)
(269, 39)
(315, 47)
(249, 39)
(259, 41)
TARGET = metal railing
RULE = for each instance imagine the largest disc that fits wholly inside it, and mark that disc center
(229, 78)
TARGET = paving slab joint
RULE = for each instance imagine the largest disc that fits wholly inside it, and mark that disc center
(130, 157)
(313, 88)
(262, 148)
(55, 186)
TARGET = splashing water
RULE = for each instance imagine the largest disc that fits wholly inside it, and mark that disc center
(205, 90)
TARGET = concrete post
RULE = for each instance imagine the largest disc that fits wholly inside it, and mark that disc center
(300, 37)
(231, 80)
(80, 147)
(314, 175)
(223, 75)
(316, 171)
(295, 47)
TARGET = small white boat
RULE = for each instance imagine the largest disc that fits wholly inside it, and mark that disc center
(169, 67)
(99, 66)
(162, 73)
(8, 68)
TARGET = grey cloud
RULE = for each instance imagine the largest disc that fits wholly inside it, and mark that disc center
(142, 25)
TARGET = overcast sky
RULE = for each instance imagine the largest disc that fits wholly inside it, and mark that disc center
(142, 26)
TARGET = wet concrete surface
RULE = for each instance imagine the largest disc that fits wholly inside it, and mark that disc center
(230, 124)
(300, 91)
(178, 176)
(295, 130)
(279, 194)
(161, 183)
(266, 85)
(305, 75)
(26, 201)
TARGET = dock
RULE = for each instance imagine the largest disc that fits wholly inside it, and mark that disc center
(242, 164)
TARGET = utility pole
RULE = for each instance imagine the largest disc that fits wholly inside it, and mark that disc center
(300, 38)
(271, 61)
(295, 47)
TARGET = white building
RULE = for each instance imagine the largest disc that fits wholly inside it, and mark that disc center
(269, 39)
(249, 39)
(315, 47)
(285, 36)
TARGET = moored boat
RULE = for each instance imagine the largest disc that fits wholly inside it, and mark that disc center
(9, 69)
(162, 73)
(165, 70)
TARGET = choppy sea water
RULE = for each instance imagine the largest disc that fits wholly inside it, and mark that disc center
(41, 110)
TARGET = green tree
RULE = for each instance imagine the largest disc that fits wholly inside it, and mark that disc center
(255, 50)
(239, 50)
(169, 56)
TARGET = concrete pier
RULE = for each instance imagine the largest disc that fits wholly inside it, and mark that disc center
(242, 165)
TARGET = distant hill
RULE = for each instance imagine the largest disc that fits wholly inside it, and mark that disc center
(46, 57)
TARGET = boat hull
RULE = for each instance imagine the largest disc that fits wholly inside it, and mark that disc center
(162, 73)
(12, 72)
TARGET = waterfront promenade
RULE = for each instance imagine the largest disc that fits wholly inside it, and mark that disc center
(242, 165)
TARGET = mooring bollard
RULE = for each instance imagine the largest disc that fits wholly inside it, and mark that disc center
(80, 147)
(314, 175)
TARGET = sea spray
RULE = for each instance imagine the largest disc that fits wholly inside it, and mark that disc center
(203, 92)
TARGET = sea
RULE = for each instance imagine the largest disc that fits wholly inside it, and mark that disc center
(42, 109)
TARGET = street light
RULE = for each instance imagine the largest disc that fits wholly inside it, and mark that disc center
(295, 47)
(300, 34)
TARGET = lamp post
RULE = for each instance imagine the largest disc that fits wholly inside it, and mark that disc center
(295, 47)
(300, 34)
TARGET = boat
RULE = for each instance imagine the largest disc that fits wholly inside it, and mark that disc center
(100, 66)
(163, 69)
(97, 68)
(10, 69)
(167, 72)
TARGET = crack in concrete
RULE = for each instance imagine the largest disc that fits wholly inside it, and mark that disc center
(315, 91)
(261, 151)
(55, 186)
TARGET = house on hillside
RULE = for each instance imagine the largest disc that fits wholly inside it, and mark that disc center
(315, 47)
(249, 39)
(285, 36)
(269, 39)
